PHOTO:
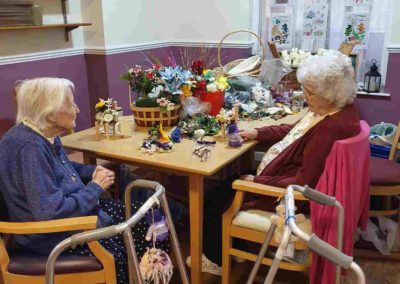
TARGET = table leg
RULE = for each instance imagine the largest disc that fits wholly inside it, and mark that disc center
(196, 225)
(89, 160)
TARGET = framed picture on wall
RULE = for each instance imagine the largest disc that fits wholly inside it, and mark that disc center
(355, 29)
(281, 2)
(281, 30)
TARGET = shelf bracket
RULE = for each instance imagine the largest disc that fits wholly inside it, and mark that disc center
(64, 12)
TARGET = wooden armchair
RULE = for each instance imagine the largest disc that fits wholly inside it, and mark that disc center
(20, 268)
(243, 224)
(234, 226)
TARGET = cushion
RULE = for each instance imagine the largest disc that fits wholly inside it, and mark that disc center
(260, 220)
(32, 264)
(384, 172)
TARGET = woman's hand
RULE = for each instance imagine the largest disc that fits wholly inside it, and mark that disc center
(247, 177)
(248, 134)
(103, 177)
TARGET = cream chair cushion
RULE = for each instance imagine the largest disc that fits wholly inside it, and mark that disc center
(260, 220)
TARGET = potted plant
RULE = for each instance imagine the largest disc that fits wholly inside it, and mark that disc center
(158, 92)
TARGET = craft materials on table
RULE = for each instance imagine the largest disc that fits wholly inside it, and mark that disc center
(158, 141)
(202, 149)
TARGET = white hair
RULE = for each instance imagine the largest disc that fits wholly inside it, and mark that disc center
(40, 97)
(330, 76)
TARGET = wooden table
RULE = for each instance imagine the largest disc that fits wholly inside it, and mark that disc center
(180, 161)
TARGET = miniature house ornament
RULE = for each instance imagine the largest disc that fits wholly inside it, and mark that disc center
(372, 79)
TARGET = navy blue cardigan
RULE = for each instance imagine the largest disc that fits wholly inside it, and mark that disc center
(39, 183)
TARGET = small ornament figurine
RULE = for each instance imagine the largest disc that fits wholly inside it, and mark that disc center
(234, 138)
(158, 140)
(155, 266)
(176, 135)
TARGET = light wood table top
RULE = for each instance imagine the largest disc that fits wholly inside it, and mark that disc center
(181, 159)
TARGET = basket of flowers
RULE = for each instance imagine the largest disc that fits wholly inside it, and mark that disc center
(240, 67)
(158, 94)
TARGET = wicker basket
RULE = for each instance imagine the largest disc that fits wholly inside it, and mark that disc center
(223, 70)
(149, 116)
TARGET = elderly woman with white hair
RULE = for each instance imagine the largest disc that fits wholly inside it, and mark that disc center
(39, 183)
(296, 153)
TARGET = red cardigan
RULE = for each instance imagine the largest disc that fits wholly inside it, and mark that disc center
(303, 161)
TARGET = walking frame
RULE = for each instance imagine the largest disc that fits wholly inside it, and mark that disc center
(314, 243)
(158, 197)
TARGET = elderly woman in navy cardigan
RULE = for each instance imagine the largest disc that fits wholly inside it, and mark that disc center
(297, 152)
(39, 183)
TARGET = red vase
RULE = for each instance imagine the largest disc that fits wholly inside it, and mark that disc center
(216, 100)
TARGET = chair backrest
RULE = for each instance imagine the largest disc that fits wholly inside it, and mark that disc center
(395, 144)
(346, 176)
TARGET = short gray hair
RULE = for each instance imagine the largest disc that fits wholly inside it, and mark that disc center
(39, 97)
(330, 76)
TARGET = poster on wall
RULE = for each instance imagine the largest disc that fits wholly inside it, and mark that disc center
(355, 29)
(358, 2)
(281, 2)
(315, 21)
(281, 30)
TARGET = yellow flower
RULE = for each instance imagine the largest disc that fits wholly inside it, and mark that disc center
(223, 82)
(100, 104)
(186, 91)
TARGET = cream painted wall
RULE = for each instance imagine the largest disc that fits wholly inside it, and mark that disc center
(395, 32)
(131, 22)
(92, 12)
(30, 41)
(206, 20)
(142, 21)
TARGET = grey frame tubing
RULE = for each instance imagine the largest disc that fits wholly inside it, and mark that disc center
(318, 197)
(317, 245)
(125, 228)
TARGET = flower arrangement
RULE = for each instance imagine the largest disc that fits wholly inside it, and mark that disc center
(156, 86)
(105, 111)
(204, 80)
(295, 56)
(163, 87)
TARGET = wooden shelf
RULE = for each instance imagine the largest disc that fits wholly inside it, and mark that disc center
(67, 27)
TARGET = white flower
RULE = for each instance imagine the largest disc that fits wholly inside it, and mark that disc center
(212, 87)
(170, 106)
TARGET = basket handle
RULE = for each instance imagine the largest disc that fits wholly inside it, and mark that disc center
(239, 31)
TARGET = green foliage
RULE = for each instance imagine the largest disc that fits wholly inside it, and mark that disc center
(348, 30)
(146, 102)
(206, 122)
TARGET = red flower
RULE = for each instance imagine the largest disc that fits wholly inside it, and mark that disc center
(202, 85)
(150, 76)
(197, 67)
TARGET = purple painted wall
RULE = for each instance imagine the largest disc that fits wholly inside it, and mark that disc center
(375, 110)
(71, 67)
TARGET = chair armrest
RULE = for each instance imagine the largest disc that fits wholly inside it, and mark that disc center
(52, 226)
(267, 190)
